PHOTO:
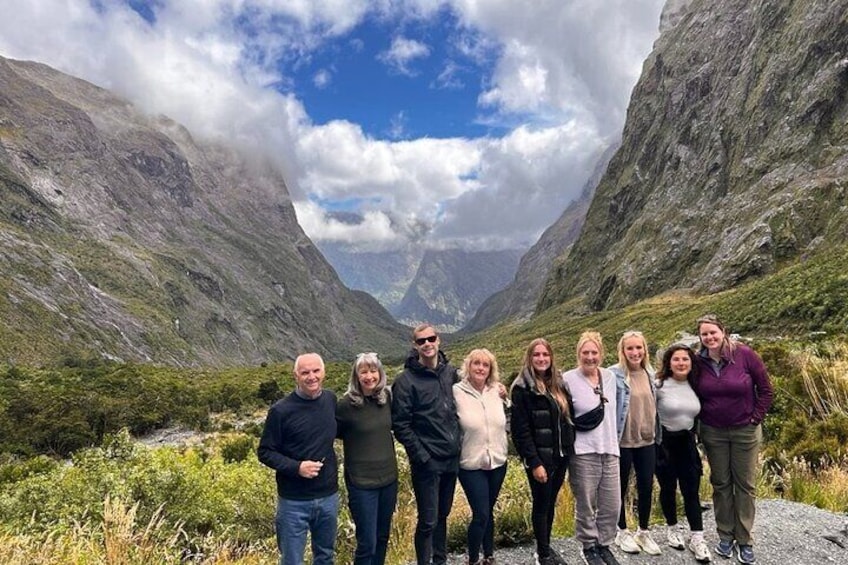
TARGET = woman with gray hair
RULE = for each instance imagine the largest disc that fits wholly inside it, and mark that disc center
(364, 419)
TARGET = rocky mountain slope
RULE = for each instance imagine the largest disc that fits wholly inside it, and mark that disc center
(518, 300)
(385, 275)
(122, 236)
(733, 159)
(450, 285)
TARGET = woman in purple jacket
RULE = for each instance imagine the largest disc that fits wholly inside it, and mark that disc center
(735, 393)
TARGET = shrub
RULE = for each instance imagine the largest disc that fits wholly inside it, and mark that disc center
(269, 392)
(237, 448)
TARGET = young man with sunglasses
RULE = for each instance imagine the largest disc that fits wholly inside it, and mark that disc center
(424, 420)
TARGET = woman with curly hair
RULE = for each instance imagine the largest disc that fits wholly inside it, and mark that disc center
(678, 459)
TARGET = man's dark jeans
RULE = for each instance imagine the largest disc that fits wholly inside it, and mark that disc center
(433, 484)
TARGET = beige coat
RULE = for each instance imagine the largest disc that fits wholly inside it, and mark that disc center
(482, 419)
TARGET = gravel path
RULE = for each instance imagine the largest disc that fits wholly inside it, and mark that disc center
(787, 533)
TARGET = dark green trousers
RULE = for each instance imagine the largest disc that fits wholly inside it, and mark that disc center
(733, 457)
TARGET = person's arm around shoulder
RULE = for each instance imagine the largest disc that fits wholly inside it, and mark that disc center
(610, 378)
(343, 408)
(622, 391)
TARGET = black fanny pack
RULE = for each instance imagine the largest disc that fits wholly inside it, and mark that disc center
(593, 418)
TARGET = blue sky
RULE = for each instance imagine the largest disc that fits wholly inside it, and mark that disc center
(466, 123)
(433, 93)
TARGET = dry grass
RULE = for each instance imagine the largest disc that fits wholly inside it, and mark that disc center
(826, 380)
(119, 540)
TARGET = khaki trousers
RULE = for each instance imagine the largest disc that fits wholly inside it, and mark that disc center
(732, 455)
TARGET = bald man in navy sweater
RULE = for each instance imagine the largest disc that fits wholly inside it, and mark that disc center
(297, 443)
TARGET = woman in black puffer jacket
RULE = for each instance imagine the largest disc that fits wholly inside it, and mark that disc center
(544, 437)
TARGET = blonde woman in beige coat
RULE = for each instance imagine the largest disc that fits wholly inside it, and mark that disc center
(482, 460)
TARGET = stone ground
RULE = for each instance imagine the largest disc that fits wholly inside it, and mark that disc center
(786, 533)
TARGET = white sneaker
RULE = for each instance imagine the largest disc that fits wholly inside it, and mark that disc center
(646, 544)
(675, 538)
(625, 542)
(700, 549)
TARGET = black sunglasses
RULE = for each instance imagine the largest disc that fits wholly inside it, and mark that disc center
(423, 340)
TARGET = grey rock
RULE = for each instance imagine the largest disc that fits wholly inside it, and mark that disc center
(115, 224)
(450, 285)
(733, 156)
(785, 533)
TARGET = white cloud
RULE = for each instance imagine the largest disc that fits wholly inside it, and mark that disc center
(402, 52)
(339, 161)
(322, 78)
(397, 128)
(375, 227)
(566, 67)
(525, 181)
(449, 76)
(575, 58)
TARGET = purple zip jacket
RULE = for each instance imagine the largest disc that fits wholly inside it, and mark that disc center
(741, 392)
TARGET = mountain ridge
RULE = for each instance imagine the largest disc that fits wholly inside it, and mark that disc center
(517, 301)
(450, 285)
(134, 240)
(731, 158)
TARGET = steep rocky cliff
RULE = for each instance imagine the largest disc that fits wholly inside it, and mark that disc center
(734, 156)
(123, 236)
(385, 275)
(450, 285)
(518, 300)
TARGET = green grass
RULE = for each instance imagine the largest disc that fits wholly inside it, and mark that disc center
(804, 297)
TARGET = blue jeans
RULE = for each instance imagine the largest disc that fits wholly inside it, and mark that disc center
(434, 486)
(482, 489)
(297, 517)
(372, 509)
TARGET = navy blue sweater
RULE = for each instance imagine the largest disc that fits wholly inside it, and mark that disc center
(299, 429)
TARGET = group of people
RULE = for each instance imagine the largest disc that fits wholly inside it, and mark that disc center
(593, 424)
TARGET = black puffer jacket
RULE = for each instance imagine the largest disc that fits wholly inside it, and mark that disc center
(424, 411)
(539, 431)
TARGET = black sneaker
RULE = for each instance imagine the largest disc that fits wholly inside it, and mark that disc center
(556, 558)
(606, 555)
(592, 557)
